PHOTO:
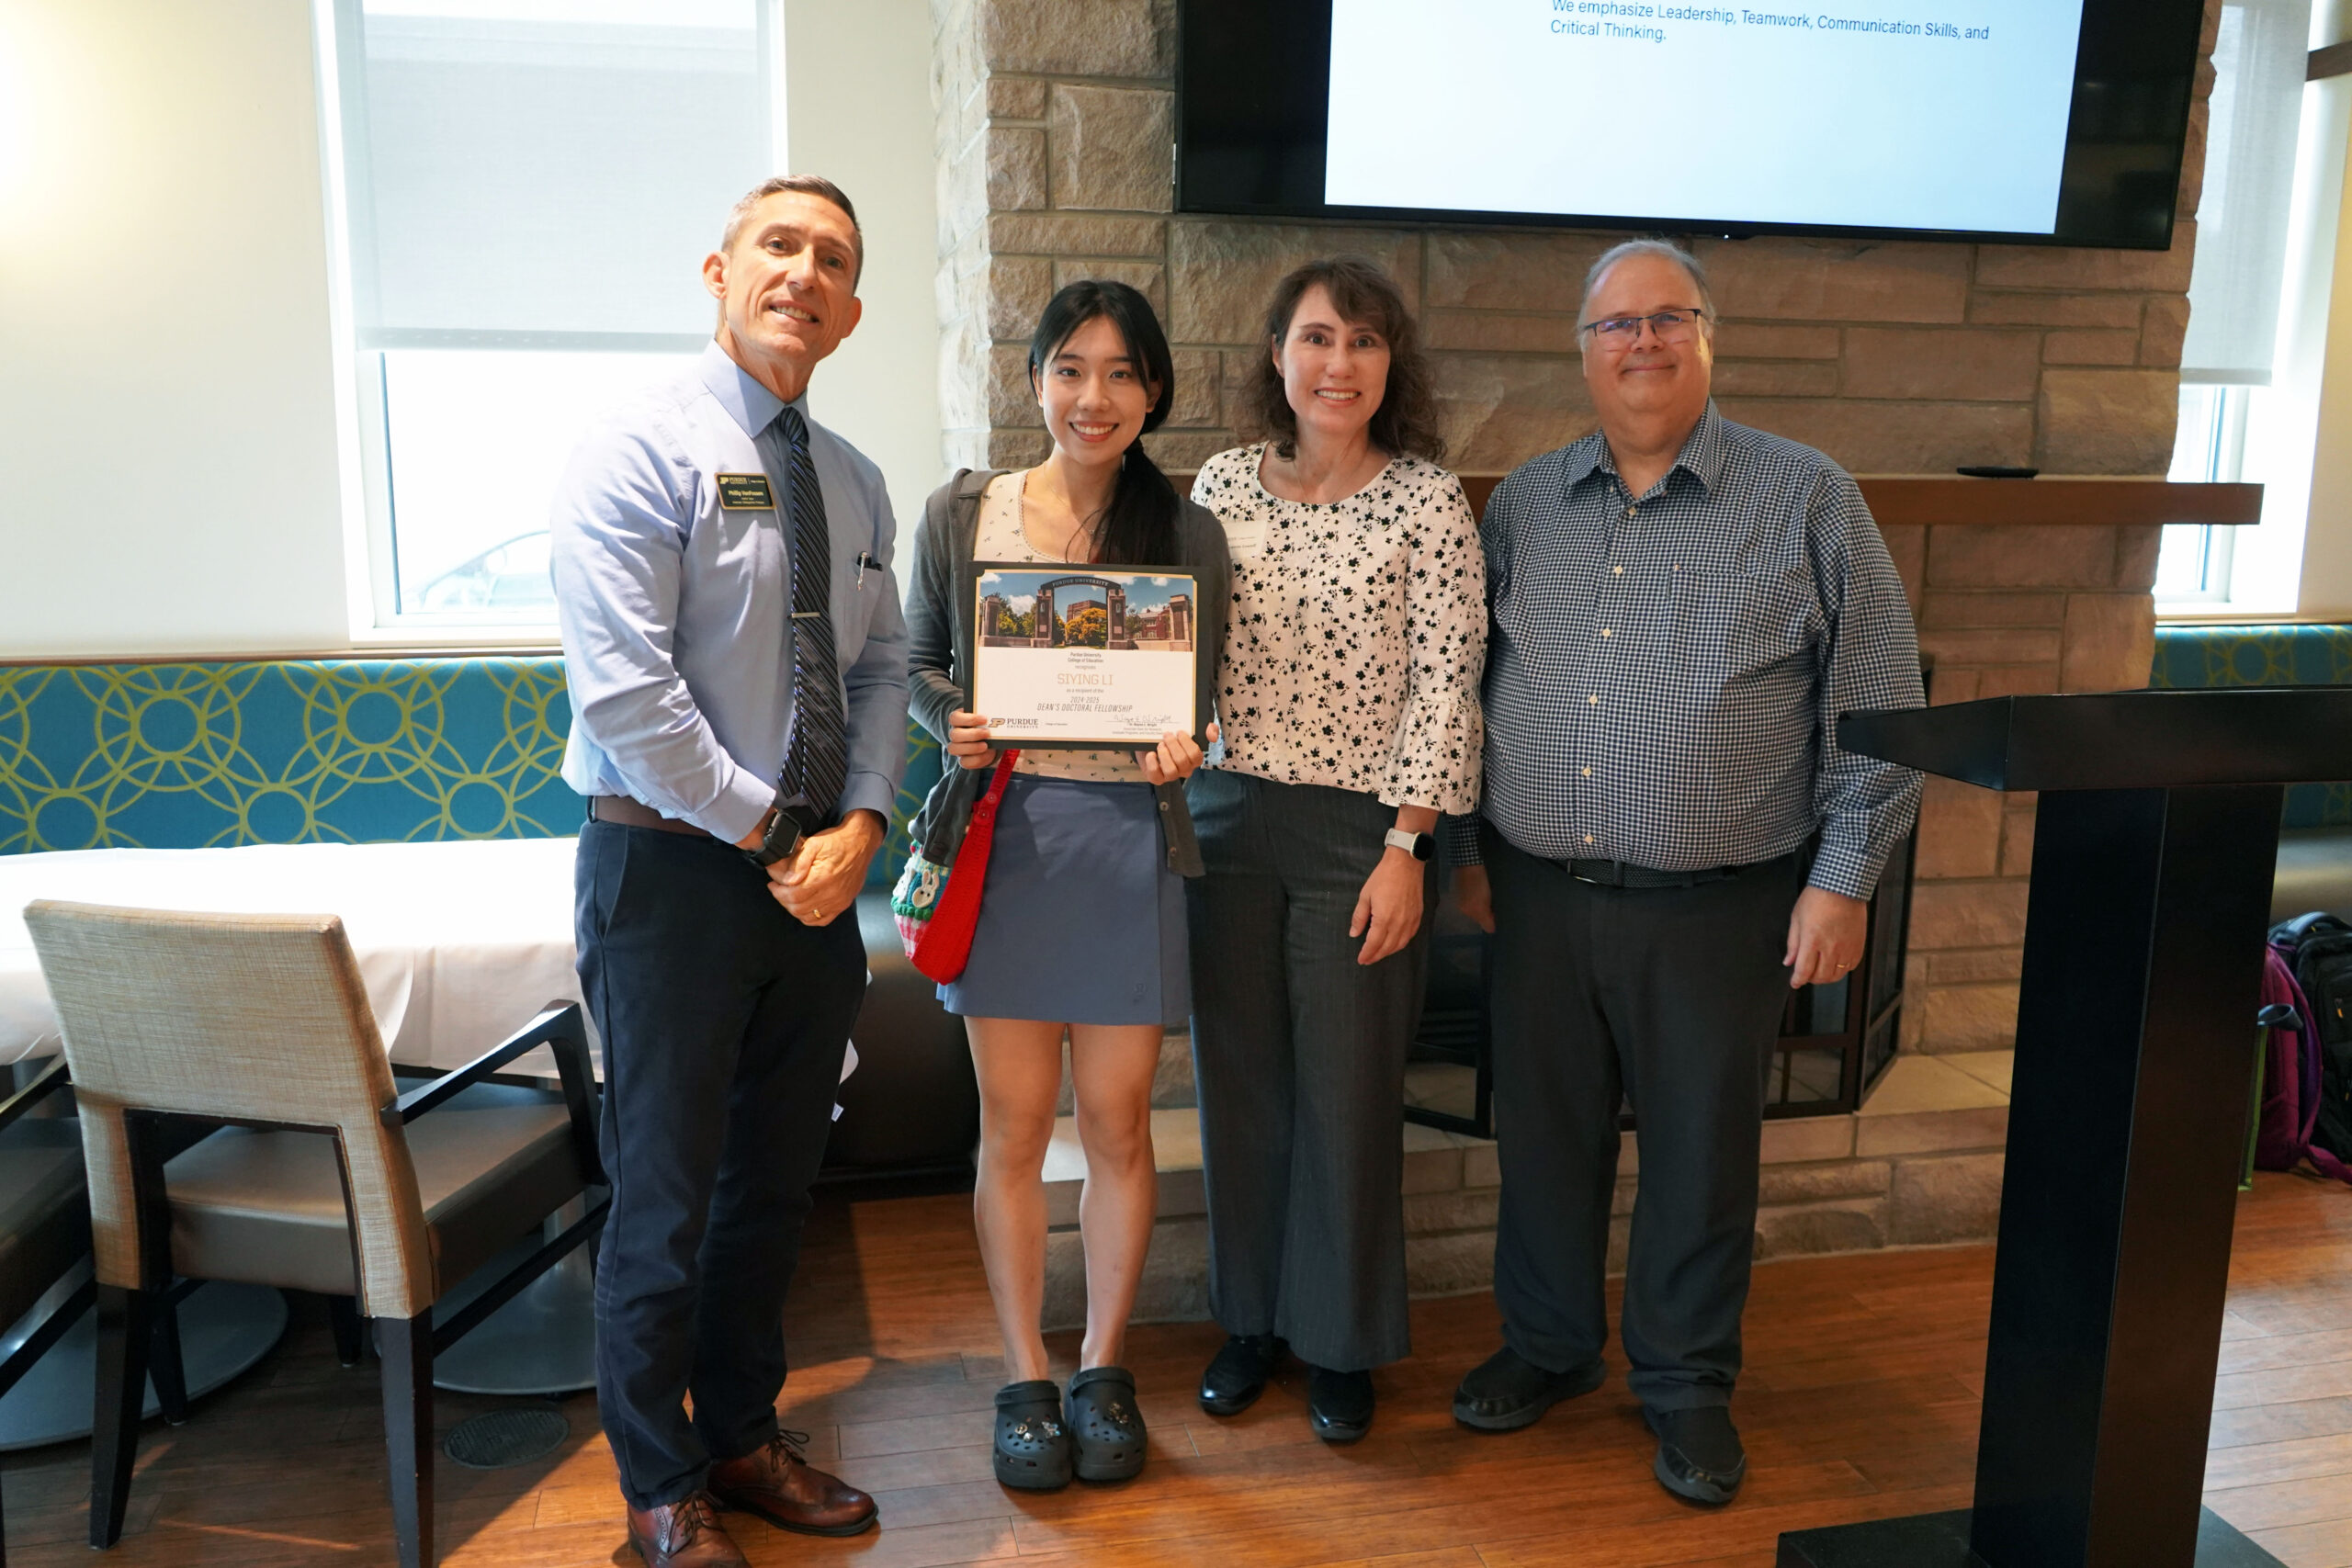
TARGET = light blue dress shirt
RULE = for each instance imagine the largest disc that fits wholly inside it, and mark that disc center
(676, 612)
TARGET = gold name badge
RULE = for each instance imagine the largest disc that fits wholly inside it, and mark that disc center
(745, 492)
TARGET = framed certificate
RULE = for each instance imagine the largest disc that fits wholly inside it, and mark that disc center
(1084, 655)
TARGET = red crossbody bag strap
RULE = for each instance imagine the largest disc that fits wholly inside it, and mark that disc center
(947, 943)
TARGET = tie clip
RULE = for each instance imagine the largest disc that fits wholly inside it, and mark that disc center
(808, 614)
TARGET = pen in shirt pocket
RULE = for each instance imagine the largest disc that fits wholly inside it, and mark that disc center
(864, 560)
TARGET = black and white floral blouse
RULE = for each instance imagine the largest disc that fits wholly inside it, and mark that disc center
(1359, 634)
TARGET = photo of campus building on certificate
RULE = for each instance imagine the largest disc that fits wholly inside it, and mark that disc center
(1118, 610)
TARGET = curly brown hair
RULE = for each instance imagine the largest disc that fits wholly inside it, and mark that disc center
(1405, 425)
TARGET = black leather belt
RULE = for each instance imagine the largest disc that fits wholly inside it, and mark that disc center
(1621, 874)
(631, 813)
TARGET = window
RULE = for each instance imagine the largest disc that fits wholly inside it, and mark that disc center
(522, 191)
(2193, 567)
(2248, 395)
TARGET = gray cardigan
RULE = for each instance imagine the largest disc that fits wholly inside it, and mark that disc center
(939, 659)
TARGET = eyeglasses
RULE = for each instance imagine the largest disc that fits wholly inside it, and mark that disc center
(1624, 331)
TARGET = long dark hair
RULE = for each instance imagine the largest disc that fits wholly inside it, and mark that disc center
(1140, 525)
(1405, 425)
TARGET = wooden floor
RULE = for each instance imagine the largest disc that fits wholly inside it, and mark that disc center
(1859, 1401)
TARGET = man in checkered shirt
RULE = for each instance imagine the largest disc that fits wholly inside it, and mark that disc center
(1670, 842)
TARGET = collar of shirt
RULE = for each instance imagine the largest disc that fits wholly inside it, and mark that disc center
(1702, 456)
(749, 404)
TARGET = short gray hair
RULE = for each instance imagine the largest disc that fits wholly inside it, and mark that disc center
(806, 185)
(1662, 248)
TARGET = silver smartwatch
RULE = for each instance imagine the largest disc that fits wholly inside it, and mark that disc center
(1421, 846)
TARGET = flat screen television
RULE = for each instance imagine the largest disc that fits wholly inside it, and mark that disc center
(2048, 121)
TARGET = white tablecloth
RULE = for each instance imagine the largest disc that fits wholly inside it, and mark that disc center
(460, 943)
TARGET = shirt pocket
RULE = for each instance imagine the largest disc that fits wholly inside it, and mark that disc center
(1731, 626)
(856, 593)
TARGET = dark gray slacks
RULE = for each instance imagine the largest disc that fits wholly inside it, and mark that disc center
(1298, 1053)
(724, 1021)
(1672, 997)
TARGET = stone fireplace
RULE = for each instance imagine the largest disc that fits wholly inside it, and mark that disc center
(1055, 142)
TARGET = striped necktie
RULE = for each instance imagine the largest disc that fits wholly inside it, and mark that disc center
(816, 756)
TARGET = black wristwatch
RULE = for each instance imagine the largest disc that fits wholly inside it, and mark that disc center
(1421, 846)
(780, 831)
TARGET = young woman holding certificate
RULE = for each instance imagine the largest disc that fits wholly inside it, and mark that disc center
(1349, 701)
(1081, 923)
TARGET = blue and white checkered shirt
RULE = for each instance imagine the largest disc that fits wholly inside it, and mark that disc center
(1665, 671)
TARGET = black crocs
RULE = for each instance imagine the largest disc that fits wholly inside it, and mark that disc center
(1104, 1424)
(1032, 1448)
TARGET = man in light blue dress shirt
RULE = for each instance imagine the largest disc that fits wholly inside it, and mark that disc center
(739, 766)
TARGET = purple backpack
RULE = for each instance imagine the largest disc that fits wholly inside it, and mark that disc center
(2291, 1087)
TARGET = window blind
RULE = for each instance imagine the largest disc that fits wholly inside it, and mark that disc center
(546, 173)
(2257, 110)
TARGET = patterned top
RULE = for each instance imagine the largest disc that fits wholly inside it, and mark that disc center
(1667, 668)
(1003, 537)
(1359, 629)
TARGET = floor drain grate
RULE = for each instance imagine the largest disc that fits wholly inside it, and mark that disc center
(502, 1439)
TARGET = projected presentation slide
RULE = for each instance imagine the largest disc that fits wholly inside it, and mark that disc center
(1949, 116)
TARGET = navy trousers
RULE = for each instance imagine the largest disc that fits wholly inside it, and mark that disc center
(724, 1020)
(1670, 998)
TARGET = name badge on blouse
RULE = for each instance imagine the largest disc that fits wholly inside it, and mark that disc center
(745, 492)
(1245, 537)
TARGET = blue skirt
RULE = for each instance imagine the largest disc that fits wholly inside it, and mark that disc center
(1081, 920)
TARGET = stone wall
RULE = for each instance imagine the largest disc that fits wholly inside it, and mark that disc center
(1055, 145)
(2003, 611)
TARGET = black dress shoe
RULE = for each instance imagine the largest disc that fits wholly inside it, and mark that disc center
(1238, 1376)
(1507, 1391)
(1339, 1405)
(1698, 1454)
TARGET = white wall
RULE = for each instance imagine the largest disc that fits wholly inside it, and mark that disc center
(2327, 539)
(168, 469)
(857, 111)
(167, 443)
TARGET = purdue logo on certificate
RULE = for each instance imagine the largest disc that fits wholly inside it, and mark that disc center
(1083, 655)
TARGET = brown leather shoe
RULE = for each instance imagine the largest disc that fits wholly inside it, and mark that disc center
(685, 1534)
(775, 1483)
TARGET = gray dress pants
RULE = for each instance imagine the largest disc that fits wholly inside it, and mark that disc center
(1298, 1052)
(1672, 997)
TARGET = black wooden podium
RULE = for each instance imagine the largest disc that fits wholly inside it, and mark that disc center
(2152, 853)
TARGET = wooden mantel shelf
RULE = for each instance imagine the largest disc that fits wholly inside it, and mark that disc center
(1935, 499)
(1914, 499)
(1953, 500)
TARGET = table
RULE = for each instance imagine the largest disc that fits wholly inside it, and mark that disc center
(459, 941)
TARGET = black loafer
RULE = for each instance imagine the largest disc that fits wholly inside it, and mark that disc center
(1238, 1374)
(1339, 1405)
(1032, 1446)
(1699, 1452)
(1105, 1428)
(1507, 1391)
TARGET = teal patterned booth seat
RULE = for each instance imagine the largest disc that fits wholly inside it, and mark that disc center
(2266, 656)
(193, 755)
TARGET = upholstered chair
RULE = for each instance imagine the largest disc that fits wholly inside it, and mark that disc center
(323, 1177)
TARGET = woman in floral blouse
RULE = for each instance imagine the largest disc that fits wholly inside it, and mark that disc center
(1349, 696)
